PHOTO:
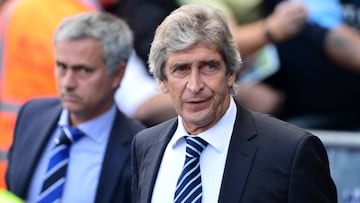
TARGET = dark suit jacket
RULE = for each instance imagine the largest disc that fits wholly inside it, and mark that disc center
(37, 121)
(268, 161)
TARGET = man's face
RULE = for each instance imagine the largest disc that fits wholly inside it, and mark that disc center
(198, 86)
(84, 86)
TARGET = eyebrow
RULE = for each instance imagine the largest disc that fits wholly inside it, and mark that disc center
(211, 61)
(76, 66)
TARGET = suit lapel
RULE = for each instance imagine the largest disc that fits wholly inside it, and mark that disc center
(240, 157)
(153, 158)
(117, 156)
(39, 135)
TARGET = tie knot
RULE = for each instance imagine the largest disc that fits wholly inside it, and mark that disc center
(194, 146)
(69, 135)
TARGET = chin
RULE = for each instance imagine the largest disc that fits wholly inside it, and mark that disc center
(72, 107)
(199, 118)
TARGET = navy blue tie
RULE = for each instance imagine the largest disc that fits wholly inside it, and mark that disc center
(188, 188)
(54, 182)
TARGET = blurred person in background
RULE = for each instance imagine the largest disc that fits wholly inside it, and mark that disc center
(145, 101)
(26, 62)
(332, 40)
(26, 56)
(320, 66)
(91, 52)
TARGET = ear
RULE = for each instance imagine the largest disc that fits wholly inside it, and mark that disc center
(118, 75)
(163, 86)
(231, 79)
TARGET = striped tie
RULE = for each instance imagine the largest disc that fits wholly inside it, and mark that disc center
(188, 188)
(55, 175)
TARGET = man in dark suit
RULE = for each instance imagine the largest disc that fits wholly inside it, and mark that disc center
(91, 51)
(240, 156)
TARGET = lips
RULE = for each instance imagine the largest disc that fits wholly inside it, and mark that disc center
(196, 101)
(69, 97)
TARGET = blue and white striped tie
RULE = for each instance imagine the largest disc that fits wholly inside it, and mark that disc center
(188, 188)
(55, 174)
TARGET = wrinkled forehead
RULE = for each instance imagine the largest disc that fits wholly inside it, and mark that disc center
(197, 52)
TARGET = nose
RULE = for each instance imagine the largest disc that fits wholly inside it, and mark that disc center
(67, 79)
(195, 83)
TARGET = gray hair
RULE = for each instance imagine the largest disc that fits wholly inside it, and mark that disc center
(190, 25)
(112, 32)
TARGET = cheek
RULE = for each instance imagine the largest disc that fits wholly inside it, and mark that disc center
(97, 86)
(219, 88)
(175, 91)
(103, 86)
(97, 93)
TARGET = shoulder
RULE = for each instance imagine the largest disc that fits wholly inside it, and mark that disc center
(132, 125)
(269, 124)
(271, 131)
(280, 136)
(282, 140)
(41, 102)
(38, 111)
(155, 133)
(294, 155)
(39, 105)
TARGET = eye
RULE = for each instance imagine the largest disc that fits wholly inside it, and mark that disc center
(60, 68)
(83, 71)
(209, 67)
(86, 70)
(60, 65)
(180, 70)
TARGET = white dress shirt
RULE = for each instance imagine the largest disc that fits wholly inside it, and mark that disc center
(212, 160)
(85, 161)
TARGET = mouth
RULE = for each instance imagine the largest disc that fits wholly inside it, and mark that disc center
(69, 98)
(197, 101)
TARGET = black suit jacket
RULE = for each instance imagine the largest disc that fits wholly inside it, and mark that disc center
(268, 161)
(35, 124)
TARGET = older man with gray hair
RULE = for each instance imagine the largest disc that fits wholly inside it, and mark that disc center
(216, 150)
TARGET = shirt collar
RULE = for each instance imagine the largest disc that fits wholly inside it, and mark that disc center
(98, 129)
(215, 136)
